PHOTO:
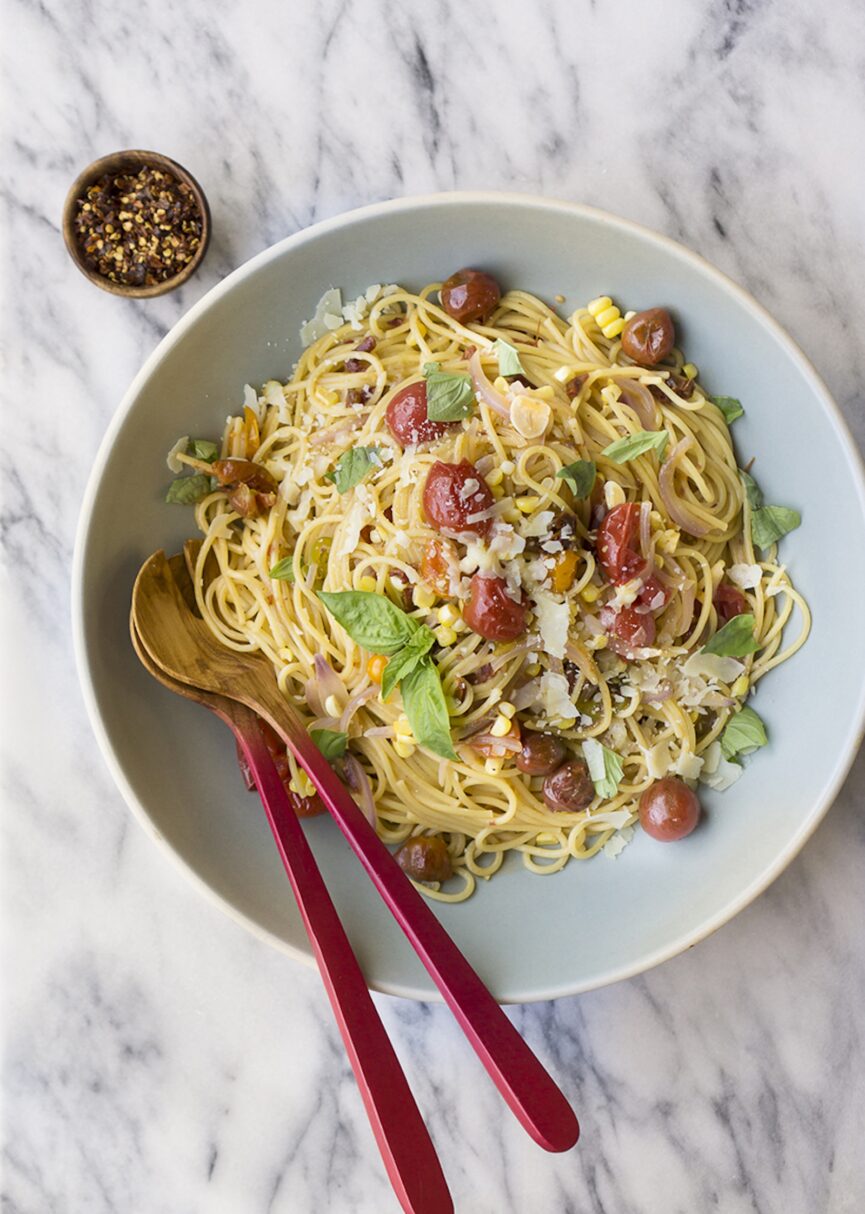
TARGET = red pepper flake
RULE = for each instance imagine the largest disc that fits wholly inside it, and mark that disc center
(138, 229)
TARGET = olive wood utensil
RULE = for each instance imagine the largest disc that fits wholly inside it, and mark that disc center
(406, 1148)
(185, 649)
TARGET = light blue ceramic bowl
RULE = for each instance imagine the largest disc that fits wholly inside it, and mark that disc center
(529, 937)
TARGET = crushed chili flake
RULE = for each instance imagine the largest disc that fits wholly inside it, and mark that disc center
(138, 229)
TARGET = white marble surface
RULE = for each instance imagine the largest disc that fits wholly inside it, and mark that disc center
(158, 1060)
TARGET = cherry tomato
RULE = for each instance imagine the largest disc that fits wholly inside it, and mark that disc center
(628, 630)
(470, 295)
(491, 611)
(653, 596)
(542, 754)
(669, 810)
(616, 544)
(729, 602)
(649, 336)
(304, 807)
(569, 789)
(244, 472)
(434, 566)
(425, 858)
(453, 494)
(407, 417)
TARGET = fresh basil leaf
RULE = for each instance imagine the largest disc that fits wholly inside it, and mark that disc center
(753, 493)
(283, 571)
(188, 489)
(770, 523)
(509, 358)
(406, 659)
(744, 732)
(735, 639)
(628, 448)
(729, 406)
(370, 619)
(605, 767)
(331, 742)
(203, 448)
(449, 395)
(352, 466)
(426, 708)
(580, 476)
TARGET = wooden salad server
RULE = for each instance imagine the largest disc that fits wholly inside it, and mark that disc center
(406, 1148)
(183, 646)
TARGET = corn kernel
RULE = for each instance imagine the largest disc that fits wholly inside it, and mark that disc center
(445, 636)
(369, 584)
(332, 706)
(598, 642)
(533, 669)
(301, 784)
(740, 687)
(614, 494)
(402, 729)
(500, 727)
(448, 615)
(501, 384)
(689, 371)
(590, 593)
(507, 466)
(607, 315)
(510, 514)
(494, 477)
(614, 328)
(493, 766)
(527, 503)
(375, 667)
(404, 749)
(507, 709)
(498, 492)
(564, 374)
(547, 838)
(594, 306)
(421, 328)
(422, 596)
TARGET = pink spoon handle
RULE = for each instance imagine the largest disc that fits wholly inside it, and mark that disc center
(526, 1086)
(406, 1148)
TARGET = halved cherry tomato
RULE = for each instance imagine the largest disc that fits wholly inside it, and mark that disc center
(616, 544)
(453, 495)
(407, 417)
(628, 630)
(729, 602)
(654, 594)
(435, 567)
(491, 612)
(669, 810)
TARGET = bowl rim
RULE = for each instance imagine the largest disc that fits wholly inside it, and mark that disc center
(113, 162)
(457, 198)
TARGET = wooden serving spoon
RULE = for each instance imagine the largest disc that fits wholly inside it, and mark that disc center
(183, 646)
(405, 1145)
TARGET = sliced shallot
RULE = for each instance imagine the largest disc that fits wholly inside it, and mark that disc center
(484, 388)
(676, 508)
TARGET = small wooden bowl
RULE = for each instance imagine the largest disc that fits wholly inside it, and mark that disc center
(133, 160)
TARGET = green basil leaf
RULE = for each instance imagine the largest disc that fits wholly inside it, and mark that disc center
(735, 639)
(370, 619)
(770, 523)
(744, 732)
(203, 448)
(753, 493)
(406, 659)
(628, 448)
(188, 489)
(352, 466)
(331, 742)
(283, 571)
(580, 476)
(449, 395)
(426, 708)
(509, 358)
(605, 767)
(729, 406)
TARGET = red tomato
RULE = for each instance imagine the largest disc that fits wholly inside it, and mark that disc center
(491, 611)
(470, 295)
(653, 596)
(304, 807)
(729, 602)
(453, 493)
(616, 544)
(407, 417)
(669, 810)
(628, 630)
